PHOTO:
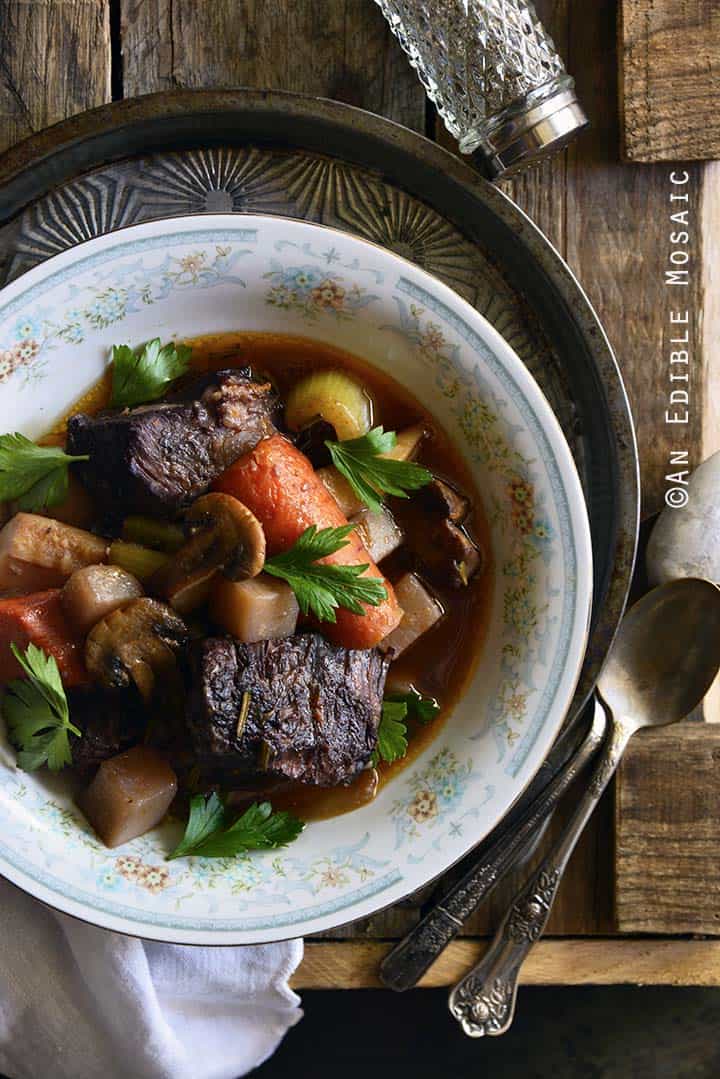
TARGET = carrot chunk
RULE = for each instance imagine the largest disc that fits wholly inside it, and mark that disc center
(40, 619)
(279, 485)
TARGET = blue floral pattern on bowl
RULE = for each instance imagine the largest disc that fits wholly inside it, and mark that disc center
(214, 274)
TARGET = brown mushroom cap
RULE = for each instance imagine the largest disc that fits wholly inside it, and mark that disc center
(137, 642)
(225, 536)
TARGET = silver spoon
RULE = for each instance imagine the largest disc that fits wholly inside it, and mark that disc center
(663, 661)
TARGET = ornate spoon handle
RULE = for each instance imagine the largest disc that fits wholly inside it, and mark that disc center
(403, 967)
(483, 1002)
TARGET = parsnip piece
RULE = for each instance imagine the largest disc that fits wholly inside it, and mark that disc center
(94, 591)
(378, 532)
(259, 609)
(421, 611)
(130, 794)
(38, 552)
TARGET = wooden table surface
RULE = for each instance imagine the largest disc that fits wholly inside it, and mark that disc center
(647, 864)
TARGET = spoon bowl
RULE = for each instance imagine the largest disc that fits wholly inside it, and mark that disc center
(666, 654)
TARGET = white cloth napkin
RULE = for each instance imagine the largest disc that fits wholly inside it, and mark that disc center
(78, 1002)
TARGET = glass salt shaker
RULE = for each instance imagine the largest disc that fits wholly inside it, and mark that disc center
(494, 75)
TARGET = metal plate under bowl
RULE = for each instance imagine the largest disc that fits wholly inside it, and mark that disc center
(269, 152)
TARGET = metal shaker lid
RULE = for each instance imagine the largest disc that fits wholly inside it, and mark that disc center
(529, 130)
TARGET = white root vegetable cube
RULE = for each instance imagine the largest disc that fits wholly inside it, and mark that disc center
(408, 443)
(341, 491)
(130, 794)
(421, 611)
(258, 609)
(379, 533)
(37, 552)
(94, 591)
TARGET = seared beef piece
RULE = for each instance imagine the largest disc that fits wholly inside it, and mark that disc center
(297, 707)
(110, 722)
(157, 458)
(446, 555)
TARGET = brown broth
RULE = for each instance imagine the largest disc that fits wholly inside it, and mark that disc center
(441, 662)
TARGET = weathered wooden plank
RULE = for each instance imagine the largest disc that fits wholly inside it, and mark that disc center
(354, 965)
(670, 79)
(333, 49)
(668, 832)
(618, 242)
(54, 62)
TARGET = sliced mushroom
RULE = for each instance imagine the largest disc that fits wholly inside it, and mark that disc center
(226, 536)
(441, 498)
(136, 643)
(446, 553)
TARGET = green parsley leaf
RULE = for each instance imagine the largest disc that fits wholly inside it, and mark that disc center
(323, 588)
(142, 375)
(33, 476)
(370, 474)
(207, 815)
(392, 733)
(208, 834)
(36, 712)
(418, 707)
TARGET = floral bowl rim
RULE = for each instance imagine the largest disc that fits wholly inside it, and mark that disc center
(368, 902)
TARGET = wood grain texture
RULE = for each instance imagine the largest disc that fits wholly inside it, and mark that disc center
(668, 832)
(670, 79)
(552, 962)
(618, 242)
(341, 49)
(54, 62)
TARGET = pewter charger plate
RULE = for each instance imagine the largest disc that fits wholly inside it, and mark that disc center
(247, 151)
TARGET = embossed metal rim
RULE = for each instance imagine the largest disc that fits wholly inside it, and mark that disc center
(188, 118)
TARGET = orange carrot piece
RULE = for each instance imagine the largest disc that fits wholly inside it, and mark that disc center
(278, 483)
(40, 619)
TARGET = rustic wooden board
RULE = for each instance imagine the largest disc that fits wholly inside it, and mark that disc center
(606, 217)
(354, 965)
(668, 832)
(339, 50)
(670, 79)
(54, 62)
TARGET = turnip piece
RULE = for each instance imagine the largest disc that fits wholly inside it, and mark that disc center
(75, 509)
(94, 591)
(408, 443)
(378, 532)
(341, 491)
(129, 795)
(38, 552)
(421, 611)
(259, 609)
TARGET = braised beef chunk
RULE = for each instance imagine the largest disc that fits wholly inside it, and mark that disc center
(158, 458)
(110, 722)
(298, 707)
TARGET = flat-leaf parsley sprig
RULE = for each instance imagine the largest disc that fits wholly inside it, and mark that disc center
(33, 476)
(370, 474)
(209, 832)
(143, 374)
(36, 712)
(392, 742)
(321, 588)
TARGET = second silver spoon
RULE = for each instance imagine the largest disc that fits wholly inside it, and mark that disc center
(663, 661)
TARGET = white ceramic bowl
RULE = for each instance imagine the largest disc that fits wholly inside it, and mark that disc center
(213, 273)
